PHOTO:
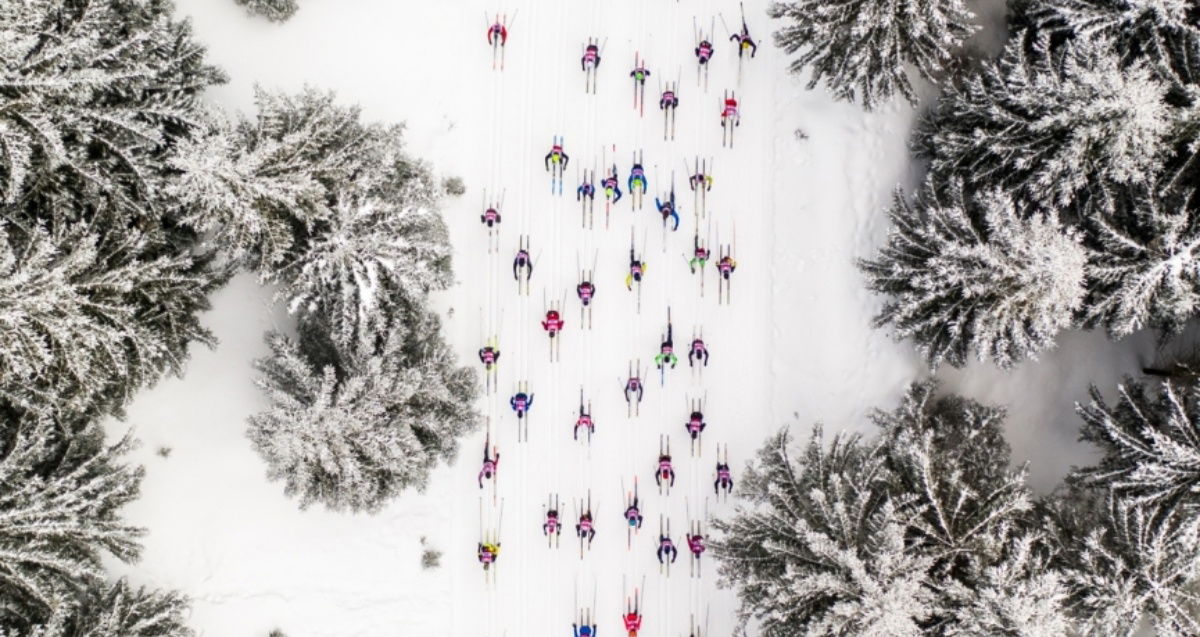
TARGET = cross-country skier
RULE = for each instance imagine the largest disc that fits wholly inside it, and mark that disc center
(697, 352)
(730, 112)
(745, 42)
(497, 30)
(490, 217)
(612, 187)
(488, 553)
(584, 630)
(724, 478)
(552, 526)
(668, 100)
(640, 74)
(553, 323)
(521, 403)
(489, 356)
(667, 209)
(633, 388)
(636, 270)
(700, 255)
(695, 424)
(666, 548)
(585, 190)
(666, 351)
(585, 529)
(704, 51)
(591, 56)
(665, 470)
(700, 179)
(557, 156)
(586, 290)
(522, 262)
(633, 515)
(637, 178)
(584, 420)
(633, 621)
(695, 544)
(726, 266)
(490, 465)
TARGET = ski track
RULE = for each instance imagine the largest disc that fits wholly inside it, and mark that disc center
(796, 346)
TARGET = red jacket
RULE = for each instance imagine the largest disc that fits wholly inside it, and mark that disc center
(633, 621)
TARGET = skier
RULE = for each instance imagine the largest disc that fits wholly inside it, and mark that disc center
(695, 424)
(724, 479)
(668, 100)
(731, 111)
(666, 548)
(633, 515)
(704, 51)
(695, 544)
(521, 403)
(612, 187)
(584, 529)
(553, 323)
(745, 42)
(552, 525)
(700, 179)
(633, 621)
(584, 630)
(557, 156)
(637, 178)
(490, 466)
(633, 386)
(700, 255)
(522, 262)
(490, 217)
(591, 56)
(667, 210)
(488, 553)
(666, 351)
(640, 74)
(586, 189)
(697, 352)
(488, 356)
(636, 270)
(584, 420)
(497, 30)
(726, 266)
(586, 290)
(665, 471)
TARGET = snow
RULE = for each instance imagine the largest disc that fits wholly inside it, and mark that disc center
(796, 346)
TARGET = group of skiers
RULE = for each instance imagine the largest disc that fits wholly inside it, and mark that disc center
(521, 402)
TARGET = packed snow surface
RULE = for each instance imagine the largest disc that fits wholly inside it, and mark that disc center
(805, 186)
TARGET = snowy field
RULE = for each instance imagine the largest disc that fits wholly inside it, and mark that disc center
(795, 346)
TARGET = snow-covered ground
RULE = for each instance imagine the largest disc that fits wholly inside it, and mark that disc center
(796, 346)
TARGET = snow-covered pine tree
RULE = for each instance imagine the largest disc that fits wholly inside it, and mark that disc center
(1157, 30)
(1150, 441)
(819, 547)
(1049, 124)
(865, 50)
(60, 501)
(114, 610)
(1144, 270)
(976, 274)
(86, 320)
(93, 92)
(262, 189)
(274, 10)
(353, 429)
(1125, 563)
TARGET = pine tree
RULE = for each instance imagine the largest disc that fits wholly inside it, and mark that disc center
(1125, 562)
(1150, 440)
(274, 10)
(864, 49)
(93, 93)
(115, 611)
(1051, 124)
(1145, 268)
(86, 320)
(819, 546)
(969, 274)
(1157, 30)
(60, 499)
(353, 429)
